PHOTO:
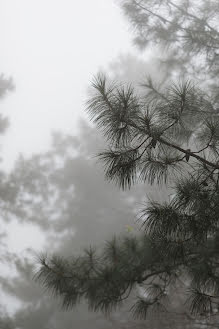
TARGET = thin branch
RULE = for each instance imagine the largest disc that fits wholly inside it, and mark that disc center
(162, 19)
(193, 16)
(188, 152)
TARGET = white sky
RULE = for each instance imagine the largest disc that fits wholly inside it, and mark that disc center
(52, 48)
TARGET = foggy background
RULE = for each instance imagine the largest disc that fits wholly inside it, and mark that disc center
(53, 194)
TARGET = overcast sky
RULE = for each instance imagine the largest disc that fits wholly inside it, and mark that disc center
(52, 48)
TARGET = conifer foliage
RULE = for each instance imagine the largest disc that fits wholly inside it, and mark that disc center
(167, 135)
(173, 137)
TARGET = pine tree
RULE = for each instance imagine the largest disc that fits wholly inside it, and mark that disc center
(171, 138)
(167, 135)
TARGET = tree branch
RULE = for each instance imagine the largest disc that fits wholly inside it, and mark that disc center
(189, 153)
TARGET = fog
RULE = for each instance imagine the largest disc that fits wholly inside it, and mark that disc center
(52, 49)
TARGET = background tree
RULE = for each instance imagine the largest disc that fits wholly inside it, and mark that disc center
(184, 32)
(6, 86)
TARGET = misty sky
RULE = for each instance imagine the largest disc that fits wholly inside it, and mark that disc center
(52, 49)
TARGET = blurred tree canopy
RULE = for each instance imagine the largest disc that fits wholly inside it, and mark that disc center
(6, 86)
(185, 33)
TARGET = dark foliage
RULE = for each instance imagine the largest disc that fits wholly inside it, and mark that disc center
(167, 135)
